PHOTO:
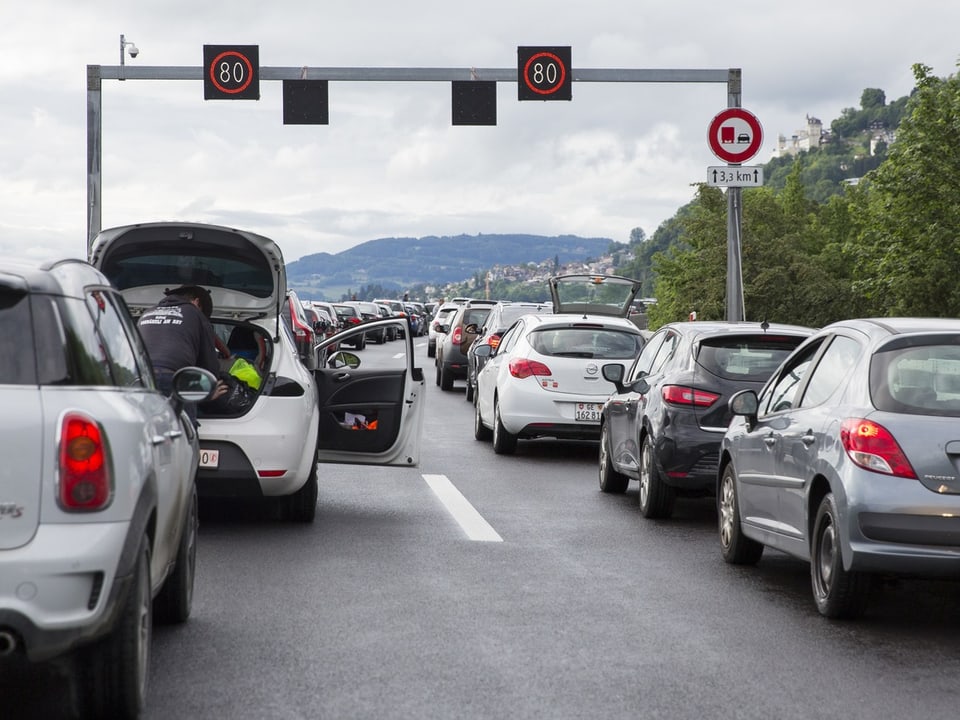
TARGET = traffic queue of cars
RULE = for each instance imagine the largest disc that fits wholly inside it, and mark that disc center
(99, 505)
(839, 446)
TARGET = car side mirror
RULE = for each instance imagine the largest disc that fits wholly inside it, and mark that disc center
(193, 385)
(481, 350)
(342, 359)
(745, 404)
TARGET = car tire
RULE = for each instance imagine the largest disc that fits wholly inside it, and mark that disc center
(838, 593)
(173, 604)
(735, 547)
(504, 442)
(438, 375)
(301, 507)
(446, 378)
(611, 481)
(113, 672)
(480, 431)
(431, 350)
(656, 497)
(468, 395)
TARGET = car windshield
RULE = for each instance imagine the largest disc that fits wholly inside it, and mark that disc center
(745, 357)
(917, 379)
(586, 342)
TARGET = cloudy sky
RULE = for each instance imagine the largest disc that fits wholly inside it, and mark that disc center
(390, 164)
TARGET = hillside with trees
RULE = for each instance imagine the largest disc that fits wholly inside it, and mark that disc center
(816, 247)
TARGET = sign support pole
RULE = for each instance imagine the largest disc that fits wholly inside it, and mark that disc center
(734, 293)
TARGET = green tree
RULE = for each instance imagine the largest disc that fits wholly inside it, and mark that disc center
(906, 253)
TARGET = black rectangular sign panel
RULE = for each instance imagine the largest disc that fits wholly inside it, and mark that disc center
(474, 102)
(306, 102)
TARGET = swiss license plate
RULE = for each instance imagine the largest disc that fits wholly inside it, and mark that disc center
(209, 458)
(587, 412)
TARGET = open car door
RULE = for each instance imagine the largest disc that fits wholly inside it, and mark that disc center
(371, 401)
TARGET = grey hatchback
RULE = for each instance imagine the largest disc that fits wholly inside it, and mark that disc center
(98, 507)
(848, 459)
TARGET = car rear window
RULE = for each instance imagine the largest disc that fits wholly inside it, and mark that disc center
(586, 342)
(917, 379)
(745, 357)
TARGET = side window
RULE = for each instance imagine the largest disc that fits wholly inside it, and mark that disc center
(109, 322)
(645, 359)
(833, 367)
(781, 394)
(665, 353)
(510, 338)
(88, 355)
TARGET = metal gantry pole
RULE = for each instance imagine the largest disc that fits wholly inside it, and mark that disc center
(97, 73)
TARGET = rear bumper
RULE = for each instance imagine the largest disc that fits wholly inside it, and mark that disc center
(65, 588)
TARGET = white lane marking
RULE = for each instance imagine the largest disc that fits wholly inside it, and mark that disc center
(462, 511)
(399, 355)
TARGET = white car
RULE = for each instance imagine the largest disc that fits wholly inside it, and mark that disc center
(268, 443)
(543, 379)
(444, 313)
(98, 508)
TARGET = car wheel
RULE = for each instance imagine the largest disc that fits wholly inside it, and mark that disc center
(446, 378)
(735, 547)
(302, 505)
(480, 431)
(438, 375)
(175, 600)
(656, 497)
(504, 443)
(837, 592)
(431, 350)
(611, 481)
(468, 395)
(114, 671)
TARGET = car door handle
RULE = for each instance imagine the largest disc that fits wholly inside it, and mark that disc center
(173, 434)
(158, 439)
(341, 377)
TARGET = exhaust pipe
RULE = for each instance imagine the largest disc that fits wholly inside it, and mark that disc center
(8, 642)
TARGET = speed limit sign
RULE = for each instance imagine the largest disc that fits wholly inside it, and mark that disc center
(543, 73)
(231, 72)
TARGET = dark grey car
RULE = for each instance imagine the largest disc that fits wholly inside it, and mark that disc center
(849, 459)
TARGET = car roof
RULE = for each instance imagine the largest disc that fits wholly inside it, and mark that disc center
(68, 276)
(553, 320)
(724, 327)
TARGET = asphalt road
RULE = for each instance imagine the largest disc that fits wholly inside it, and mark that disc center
(571, 606)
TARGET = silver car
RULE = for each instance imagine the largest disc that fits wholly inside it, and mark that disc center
(849, 459)
(98, 508)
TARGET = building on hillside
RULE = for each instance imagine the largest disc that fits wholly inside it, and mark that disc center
(813, 136)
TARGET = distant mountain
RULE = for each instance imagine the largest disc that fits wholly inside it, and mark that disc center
(399, 263)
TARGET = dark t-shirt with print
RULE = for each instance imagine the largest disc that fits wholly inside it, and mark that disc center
(178, 335)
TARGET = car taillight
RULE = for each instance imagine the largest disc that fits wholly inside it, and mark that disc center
(871, 446)
(523, 368)
(493, 341)
(457, 336)
(681, 395)
(85, 481)
(353, 320)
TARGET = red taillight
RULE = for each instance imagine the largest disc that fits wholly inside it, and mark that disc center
(523, 368)
(271, 473)
(681, 395)
(353, 320)
(457, 336)
(85, 483)
(871, 446)
(493, 341)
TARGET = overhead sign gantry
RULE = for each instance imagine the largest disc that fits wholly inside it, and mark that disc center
(233, 72)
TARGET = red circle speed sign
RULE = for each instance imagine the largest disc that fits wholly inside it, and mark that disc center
(735, 135)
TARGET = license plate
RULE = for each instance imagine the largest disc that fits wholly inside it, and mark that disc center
(587, 412)
(209, 458)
